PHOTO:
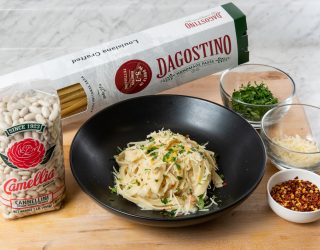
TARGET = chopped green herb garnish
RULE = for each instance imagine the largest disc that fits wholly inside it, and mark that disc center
(165, 200)
(201, 202)
(151, 149)
(171, 213)
(167, 156)
(182, 151)
(179, 178)
(151, 139)
(113, 189)
(154, 155)
(156, 180)
(178, 166)
(257, 94)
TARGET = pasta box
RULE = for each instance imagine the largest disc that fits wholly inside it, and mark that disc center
(144, 63)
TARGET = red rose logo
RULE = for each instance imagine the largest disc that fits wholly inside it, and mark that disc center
(26, 154)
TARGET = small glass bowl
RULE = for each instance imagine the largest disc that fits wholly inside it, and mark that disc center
(278, 82)
(291, 134)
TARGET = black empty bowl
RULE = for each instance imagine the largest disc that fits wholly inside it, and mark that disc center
(241, 154)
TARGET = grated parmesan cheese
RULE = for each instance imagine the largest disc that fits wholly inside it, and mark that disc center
(300, 146)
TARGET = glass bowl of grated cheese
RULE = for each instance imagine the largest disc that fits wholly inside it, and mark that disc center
(291, 134)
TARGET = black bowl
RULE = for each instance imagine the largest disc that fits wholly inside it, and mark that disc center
(241, 154)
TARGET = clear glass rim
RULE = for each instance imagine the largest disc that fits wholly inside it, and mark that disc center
(270, 141)
(224, 73)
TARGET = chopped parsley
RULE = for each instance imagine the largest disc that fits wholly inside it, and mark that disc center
(166, 157)
(171, 213)
(151, 149)
(165, 200)
(179, 178)
(154, 155)
(178, 166)
(201, 202)
(113, 189)
(181, 149)
(256, 94)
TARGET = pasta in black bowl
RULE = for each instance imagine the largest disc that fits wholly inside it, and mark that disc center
(159, 186)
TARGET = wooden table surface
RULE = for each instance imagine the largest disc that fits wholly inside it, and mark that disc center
(82, 224)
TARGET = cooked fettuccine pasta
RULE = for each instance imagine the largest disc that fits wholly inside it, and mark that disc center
(167, 171)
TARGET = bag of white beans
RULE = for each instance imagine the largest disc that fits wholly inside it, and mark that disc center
(31, 152)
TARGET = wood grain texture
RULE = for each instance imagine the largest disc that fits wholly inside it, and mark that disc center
(82, 224)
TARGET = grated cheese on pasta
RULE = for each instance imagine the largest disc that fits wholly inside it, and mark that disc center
(167, 171)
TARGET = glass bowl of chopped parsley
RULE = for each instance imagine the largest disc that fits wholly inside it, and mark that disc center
(252, 89)
(291, 135)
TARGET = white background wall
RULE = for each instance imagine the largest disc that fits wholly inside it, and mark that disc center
(285, 33)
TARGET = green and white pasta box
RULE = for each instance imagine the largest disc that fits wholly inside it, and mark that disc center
(145, 63)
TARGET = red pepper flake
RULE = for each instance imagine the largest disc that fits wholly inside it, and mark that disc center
(297, 195)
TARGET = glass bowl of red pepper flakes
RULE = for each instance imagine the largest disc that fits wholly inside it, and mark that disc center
(294, 195)
(252, 89)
